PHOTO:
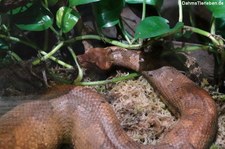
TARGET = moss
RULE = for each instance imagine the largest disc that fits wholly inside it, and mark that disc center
(140, 110)
(142, 114)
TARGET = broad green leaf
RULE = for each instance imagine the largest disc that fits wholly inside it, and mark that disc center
(152, 27)
(217, 7)
(149, 2)
(36, 18)
(52, 2)
(155, 26)
(80, 2)
(66, 18)
(107, 12)
(8, 5)
(20, 9)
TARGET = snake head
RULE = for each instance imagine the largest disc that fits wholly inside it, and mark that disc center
(98, 56)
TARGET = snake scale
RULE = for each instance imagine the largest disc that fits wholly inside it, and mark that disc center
(82, 117)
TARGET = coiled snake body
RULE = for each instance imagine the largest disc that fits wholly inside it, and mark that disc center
(84, 118)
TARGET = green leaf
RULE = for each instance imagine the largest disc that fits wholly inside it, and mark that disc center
(36, 18)
(107, 12)
(20, 9)
(149, 2)
(52, 2)
(152, 27)
(8, 5)
(80, 2)
(66, 18)
(217, 7)
(155, 26)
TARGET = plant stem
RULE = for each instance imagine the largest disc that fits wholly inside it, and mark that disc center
(124, 32)
(204, 33)
(68, 66)
(80, 72)
(55, 49)
(143, 10)
(114, 80)
(83, 37)
(180, 11)
(14, 56)
(35, 47)
(18, 40)
(213, 27)
(110, 41)
(193, 48)
(56, 32)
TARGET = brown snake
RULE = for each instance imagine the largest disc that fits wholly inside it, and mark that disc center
(83, 117)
